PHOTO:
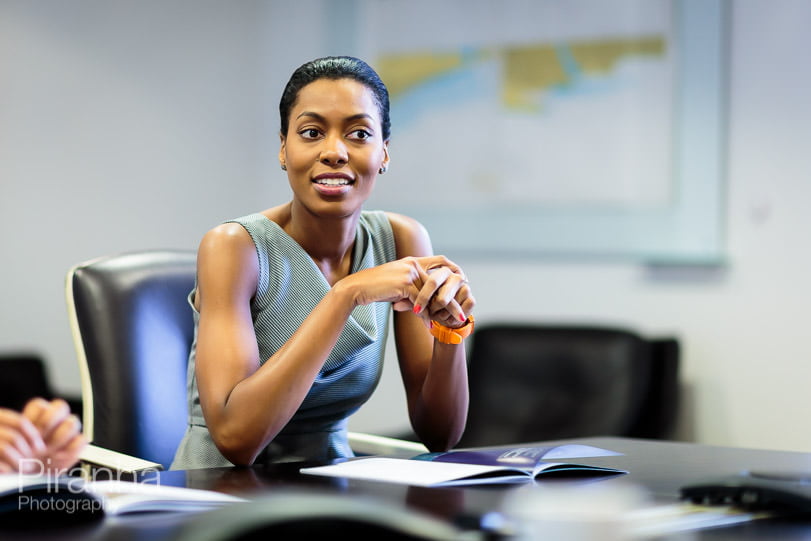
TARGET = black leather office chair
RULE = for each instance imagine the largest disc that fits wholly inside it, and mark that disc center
(133, 329)
(535, 382)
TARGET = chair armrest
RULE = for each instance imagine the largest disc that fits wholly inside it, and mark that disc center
(370, 444)
(112, 463)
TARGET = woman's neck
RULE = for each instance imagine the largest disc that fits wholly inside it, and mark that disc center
(328, 240)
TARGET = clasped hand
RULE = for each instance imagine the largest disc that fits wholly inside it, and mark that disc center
(433, 287)
(44, 437)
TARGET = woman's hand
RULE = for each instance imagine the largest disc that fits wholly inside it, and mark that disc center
(433, 287)
(398, 282)
(445, 296)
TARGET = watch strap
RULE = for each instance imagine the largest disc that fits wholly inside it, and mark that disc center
(449, 335)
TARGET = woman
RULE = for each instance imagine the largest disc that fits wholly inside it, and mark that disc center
(44, 438)
(292, 304)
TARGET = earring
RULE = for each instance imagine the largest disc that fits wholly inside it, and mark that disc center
(284, 167)
(382, 169)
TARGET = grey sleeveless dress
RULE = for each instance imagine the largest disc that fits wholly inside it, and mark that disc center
(289, 287)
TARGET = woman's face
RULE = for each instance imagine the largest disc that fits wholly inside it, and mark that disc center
(333, 148)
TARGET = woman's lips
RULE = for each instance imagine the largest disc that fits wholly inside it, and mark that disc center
(332, 185)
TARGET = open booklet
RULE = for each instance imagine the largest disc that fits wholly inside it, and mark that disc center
(45, 494)
(488, 466)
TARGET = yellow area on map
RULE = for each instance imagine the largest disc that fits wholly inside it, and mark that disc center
(602, 56)
(403, 72)
(527, 70)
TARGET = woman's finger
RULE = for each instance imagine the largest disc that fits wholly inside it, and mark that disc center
(439, 288)
(436, 261)
(450, 315)
(447, 297)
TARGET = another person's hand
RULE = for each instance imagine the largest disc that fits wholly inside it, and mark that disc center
(61, 433)
(19, 440)
(45, 437)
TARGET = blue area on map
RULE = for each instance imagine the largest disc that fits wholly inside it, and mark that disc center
(474, 79)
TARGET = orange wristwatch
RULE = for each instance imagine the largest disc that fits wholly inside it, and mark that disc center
(447, 335)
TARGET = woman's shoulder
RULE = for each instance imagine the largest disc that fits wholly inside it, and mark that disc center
(227, 256)
(242, 229)
(230, 233)
(228, 238)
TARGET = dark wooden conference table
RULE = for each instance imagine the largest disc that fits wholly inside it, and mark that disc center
(658, 467)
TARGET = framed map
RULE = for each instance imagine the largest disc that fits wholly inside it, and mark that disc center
(544, 127)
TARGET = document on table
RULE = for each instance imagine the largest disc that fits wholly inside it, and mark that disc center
(398, 470)
(428, 473)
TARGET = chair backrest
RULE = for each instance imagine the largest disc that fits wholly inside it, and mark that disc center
(542, 382)
(133, 329)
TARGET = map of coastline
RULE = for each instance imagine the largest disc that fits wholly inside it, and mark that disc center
(579, 121)
(528, 71)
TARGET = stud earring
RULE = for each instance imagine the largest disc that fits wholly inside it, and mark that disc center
(382, 169)
(284, 167)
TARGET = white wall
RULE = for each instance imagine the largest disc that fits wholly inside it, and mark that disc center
(127, 125)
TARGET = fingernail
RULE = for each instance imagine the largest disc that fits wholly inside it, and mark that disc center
(462, 317)
(417, 308)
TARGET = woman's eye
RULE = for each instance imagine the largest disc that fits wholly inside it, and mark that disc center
(309, 133)
(360, 134)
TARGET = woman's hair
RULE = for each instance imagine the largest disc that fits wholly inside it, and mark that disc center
(335, 67)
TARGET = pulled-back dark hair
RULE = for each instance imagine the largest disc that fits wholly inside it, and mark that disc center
(335, 67)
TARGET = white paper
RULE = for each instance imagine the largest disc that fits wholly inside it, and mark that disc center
(118, 497)
(123, 496)
(411, 472)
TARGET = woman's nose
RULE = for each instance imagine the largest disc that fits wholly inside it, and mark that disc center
(334, 151)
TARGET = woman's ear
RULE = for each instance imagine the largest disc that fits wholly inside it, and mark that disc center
(385, 164)
(282, 157)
